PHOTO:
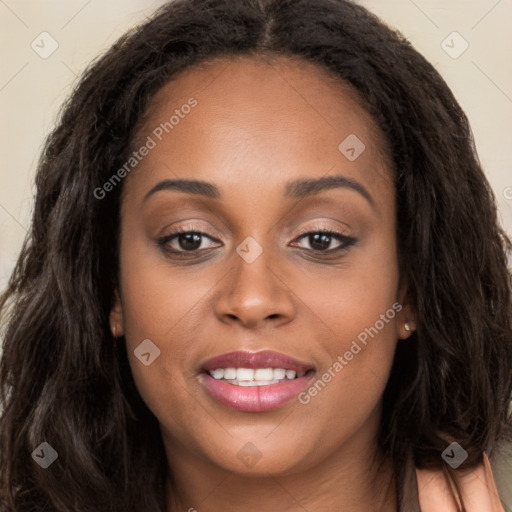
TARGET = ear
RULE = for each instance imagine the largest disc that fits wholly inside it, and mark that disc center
(406, 318)
(116, 316)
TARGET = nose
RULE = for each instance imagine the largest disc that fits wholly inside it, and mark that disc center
(254, 295)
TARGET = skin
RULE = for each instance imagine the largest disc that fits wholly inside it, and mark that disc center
(258, 125)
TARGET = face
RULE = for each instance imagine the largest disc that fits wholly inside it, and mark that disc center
(282, 153)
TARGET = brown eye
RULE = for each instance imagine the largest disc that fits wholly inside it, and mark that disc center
(189, 241)
(320, 241)
(182, 241)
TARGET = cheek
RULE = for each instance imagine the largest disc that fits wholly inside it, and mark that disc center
(356, 311)
(158, 296)
(163, 305)
(343, 401)
(349, 299)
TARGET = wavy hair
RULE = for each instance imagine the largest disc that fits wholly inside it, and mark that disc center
(64, 380)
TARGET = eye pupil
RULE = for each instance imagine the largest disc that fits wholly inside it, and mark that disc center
(320, 241)
(189, 241)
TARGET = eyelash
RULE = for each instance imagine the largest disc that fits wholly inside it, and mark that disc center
(347, 242)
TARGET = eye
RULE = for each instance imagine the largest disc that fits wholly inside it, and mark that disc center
(183, 241)
(321, 240)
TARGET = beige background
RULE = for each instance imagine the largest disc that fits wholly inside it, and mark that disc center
(33, 88)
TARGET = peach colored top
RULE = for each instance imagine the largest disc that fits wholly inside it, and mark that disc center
(501, 465)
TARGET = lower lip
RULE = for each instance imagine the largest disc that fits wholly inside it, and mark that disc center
(255, 398)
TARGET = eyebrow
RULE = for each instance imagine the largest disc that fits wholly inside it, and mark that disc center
(297, 189)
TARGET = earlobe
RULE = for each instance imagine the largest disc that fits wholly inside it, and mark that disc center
(410, 324)
(406, 324)
(116, 316)
(406, 319)
(409, 328)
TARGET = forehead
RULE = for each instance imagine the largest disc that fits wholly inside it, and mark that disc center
(260, 121)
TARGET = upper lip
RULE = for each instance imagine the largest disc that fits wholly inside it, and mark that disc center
(262, 359)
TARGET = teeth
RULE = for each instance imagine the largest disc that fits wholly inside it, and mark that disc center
(263, 374)
(230, 373)
(279, 373)
(218, 373)
(290, 374)
(244, 374)
(254, 377)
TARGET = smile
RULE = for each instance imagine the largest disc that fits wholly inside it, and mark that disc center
(255, 382)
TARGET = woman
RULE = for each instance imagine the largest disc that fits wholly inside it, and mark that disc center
(256, 279)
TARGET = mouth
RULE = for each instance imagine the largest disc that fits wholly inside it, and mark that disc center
(255, 382)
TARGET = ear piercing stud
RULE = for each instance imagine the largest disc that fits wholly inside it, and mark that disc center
(407, 326)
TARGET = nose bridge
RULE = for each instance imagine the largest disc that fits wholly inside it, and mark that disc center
(255, 292)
